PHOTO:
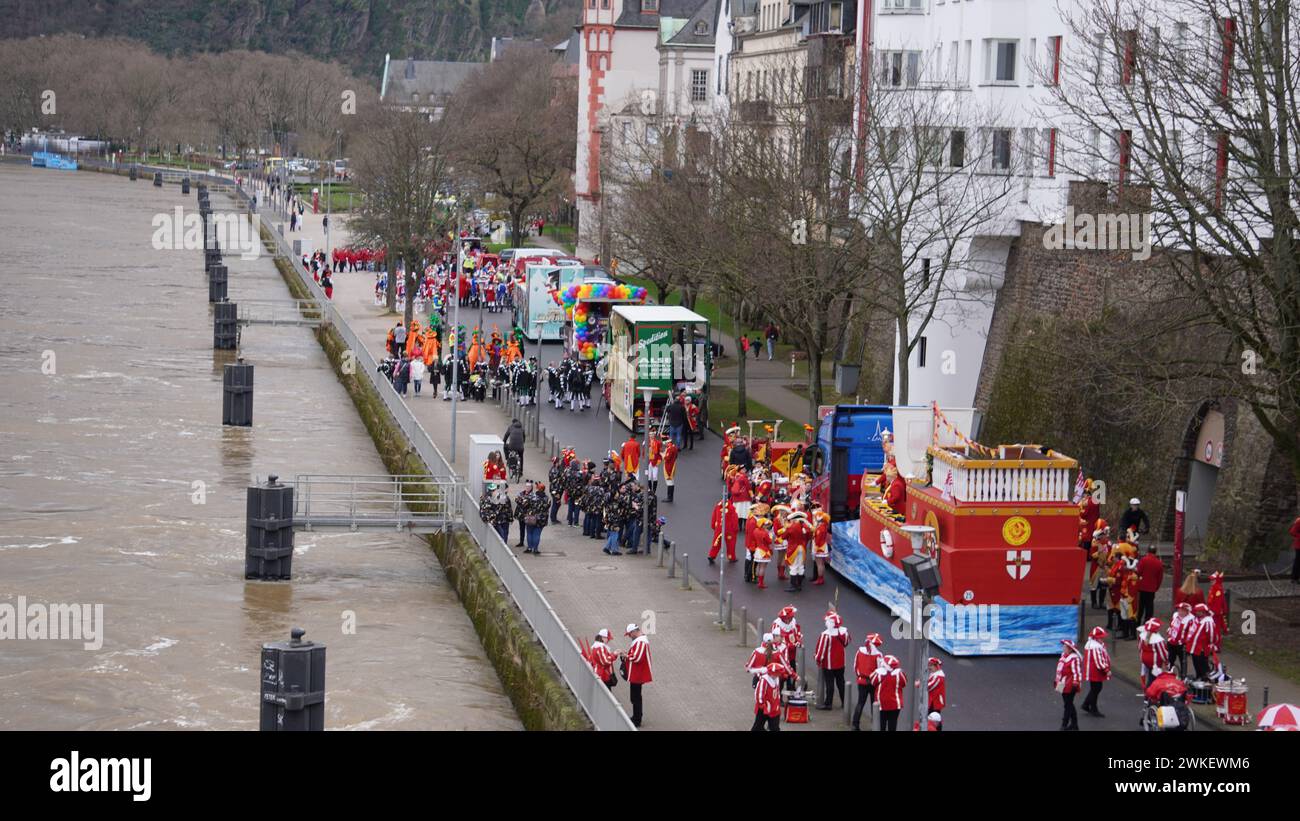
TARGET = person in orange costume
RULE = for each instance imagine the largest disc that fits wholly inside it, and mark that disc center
(412, 337)
(631, 455)
(430, 347)
(821, 541)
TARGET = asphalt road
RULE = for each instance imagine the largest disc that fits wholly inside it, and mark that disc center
(984, 693)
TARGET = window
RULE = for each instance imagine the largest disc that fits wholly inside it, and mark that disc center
(837, 17)
(1227, 40)
(1123, 157)
(901, 68)
(1051, 152)
(904, 5)
(699, 85)
(1054, 60)
(957, 148)
(925, 273)
(650, 5)
(651, 135)
(1220, 167)
(1000, 158)
(701, 27)
(627, 132)
(920, 352)
(604, 4)
(965, 63)
(591, 4)
(1001, 61)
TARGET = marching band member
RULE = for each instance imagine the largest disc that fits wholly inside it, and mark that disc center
(829, 655)
(767, 698)
(865, 662)
(761, 546)
(653, 459)
(797, 534)
(638, 668)
(763, 655)
(740, 490)
(936, 687)
(1177, 637)
(1202, 641)
(1153, 651)
(670, 462)
(1100, 556)
(1096, 669)
(1069, 674)
(890, 682)
(821, 541)
(729, 437)
(1218, 603)
(725, 527)
(790, 633)
(779, 514)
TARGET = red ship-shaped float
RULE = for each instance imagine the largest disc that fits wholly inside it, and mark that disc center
(1005, 533)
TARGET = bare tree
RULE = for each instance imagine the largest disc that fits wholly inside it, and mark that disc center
(514, 120)
(402, 173)
(1191, 105)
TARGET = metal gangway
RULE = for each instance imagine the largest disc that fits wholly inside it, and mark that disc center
(280, 312)
(412, 503)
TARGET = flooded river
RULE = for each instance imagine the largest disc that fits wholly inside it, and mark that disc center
(119, 486)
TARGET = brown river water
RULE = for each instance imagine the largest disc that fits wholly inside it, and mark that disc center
(98, 465)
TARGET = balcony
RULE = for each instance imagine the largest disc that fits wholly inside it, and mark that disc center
(1009, 473)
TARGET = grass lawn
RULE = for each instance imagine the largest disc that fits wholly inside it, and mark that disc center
(496, 247)
(563, 234)
(341, 195)
(722, 410)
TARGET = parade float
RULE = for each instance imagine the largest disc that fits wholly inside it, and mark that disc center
(1005, 533)
(537, 306)
(655, 350)
(587, 306)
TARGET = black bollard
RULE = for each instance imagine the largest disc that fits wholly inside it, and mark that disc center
(157, 179)
(268, 525)
(237, 394)
(225, 326)
(293, 685)
(185, 185)
(217, 283)
(133, 174)
(211, 258)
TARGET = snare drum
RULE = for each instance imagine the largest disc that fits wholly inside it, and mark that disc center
(1202, 692)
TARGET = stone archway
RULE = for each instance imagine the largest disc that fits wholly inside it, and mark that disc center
(1196, 471)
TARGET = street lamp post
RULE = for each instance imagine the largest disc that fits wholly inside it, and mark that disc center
(455, 334)
(922, 569)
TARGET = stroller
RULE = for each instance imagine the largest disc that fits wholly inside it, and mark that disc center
(1166, 706)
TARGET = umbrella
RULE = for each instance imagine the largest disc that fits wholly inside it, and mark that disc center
(1279, 717)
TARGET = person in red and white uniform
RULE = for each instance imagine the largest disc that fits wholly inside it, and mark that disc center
(890, 683)
(1153, 651)
(740, 489)
(829, 656)
(1177, 637)
(760, 545)
(638, 669)
(936, 688)
(1202, 641)
(1096, 669)
(763, 655)
(726, 527)
(1069, 677)
(797, 534)
(821, 545)
(791, 633)
(653, 460)
(865, 662)
(670, 462)
(767, 698)
(602, 658)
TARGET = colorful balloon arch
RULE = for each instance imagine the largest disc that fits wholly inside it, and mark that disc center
(586, 316)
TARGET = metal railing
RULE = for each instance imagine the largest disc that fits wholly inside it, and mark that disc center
(417, 504)
(601, 707)
(279, 312)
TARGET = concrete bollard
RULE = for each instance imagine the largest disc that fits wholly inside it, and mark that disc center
(185, 185)
(727, 623)
(268, 528)
(237, 394)
(686, 571)
(157, 179)
(225, 326)
(293, 685)
(744, 627)
(133, 174)
(672, 560)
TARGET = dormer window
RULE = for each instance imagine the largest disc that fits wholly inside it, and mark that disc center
(701, 27)
(650, 6)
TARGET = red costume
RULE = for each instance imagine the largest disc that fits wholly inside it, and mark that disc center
(829, 653)
(732, 530)
(1218, 603)
(868, 658)
(631, 455)
(656, 452)
(493, 472)
(670, 461)
(936, 685)
(890, 682)
(638, 661)
(602, 660)
(1069, 670)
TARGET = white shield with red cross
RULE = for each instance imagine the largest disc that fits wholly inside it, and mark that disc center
(1018, 563)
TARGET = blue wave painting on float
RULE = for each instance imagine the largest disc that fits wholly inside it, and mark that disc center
(964, 630)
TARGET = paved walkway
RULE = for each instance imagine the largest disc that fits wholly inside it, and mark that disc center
(700, 681)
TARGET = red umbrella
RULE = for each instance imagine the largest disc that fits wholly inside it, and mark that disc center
(1279, 717)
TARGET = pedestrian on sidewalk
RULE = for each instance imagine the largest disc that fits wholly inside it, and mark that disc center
(514, 439)
(1203, 641)
(593, 503)
(535, 518)
(693, 430)
(1096, 669)
(399, 338)
(522, 503)
(615, 516)
(829, 655)
(1179, 631)
(772, 334)
(494, 508)
(865, 662)
(797, 534)
(417, 373)
(675, 415)
(1069, 674)
(602, 658)
(1153, 651)
(726, 527)
(327, 285)
(789, 635)
(637, 660)
(936, 688)
(744, 346)
(1151, 571)
(754, 346)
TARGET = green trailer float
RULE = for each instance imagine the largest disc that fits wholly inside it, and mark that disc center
(656, 351)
